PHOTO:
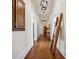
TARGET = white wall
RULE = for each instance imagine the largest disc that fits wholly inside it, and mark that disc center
(22, 41)
(34, 20)
(60, 6)
(40, 27)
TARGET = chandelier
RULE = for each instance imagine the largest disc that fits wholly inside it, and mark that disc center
(43, 4)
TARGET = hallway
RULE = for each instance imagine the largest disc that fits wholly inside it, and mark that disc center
(31, 19)
(41, 50)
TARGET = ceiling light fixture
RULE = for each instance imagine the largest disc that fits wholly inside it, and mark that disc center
(43, 4)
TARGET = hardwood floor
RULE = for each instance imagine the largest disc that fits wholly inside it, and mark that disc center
(42, 50)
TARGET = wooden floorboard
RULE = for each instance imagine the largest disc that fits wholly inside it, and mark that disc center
(41, 50)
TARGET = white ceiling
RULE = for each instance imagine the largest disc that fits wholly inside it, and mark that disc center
(37, 8)
(36, 5)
